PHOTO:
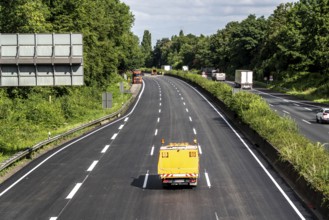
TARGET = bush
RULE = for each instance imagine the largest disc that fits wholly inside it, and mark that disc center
(309, 159)
(28, 115)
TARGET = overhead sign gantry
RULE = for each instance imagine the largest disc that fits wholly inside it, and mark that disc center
(41, 60)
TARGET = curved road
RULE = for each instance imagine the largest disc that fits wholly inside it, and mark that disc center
(111, 172)
(301, 111)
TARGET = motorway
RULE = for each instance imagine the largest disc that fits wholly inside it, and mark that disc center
(111, 173)
(301, 111)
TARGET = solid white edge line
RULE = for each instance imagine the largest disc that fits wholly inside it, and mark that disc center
(207, 179)
(306, 121)
(121, 126)
(200, 150)
(145, 180)
(114, 136)
(287, 99)
(194, 131)
(254, 156)
(156, 132)
(92, 166)
(74, 191)
(152, 150)
(73, 142)
(105, 149)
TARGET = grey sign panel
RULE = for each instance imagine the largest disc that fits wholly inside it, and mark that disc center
(41, 59)
(107, 100)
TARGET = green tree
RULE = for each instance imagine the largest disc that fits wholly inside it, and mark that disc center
(24, 16)
(146, 47)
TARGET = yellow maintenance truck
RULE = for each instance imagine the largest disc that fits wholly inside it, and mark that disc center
(179, 164)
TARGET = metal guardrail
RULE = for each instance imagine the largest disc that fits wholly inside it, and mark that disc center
(18, 156)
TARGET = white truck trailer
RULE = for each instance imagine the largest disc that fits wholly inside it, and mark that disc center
(243, 79)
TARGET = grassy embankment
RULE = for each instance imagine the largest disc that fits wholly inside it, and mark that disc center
(309, 86)
(311, 160)
(28, 114)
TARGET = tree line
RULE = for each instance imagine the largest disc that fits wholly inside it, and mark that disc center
(293, 39)
(109, 44)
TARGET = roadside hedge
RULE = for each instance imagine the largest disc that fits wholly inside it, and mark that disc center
(28, 114)
(311, 160)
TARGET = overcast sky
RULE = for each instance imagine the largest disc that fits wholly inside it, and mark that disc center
(165, 18)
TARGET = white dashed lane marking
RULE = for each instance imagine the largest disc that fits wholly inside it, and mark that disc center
(114, 136)
(207, 178)
(121, 126)
(200, 149)
(190, 118)
(186, 110)
(105, 149)
(152, 150)
(74, 191)
(92, 166)
(145, 180)
(306, 121)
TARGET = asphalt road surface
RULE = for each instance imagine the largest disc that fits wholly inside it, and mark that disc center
(111, 173)
(301, 111)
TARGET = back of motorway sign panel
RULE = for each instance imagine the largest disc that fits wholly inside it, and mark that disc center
(41, 60)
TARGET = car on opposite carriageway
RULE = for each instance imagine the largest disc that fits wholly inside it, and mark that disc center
(322, 115)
